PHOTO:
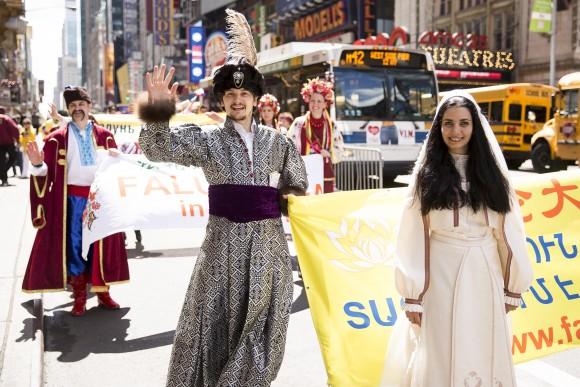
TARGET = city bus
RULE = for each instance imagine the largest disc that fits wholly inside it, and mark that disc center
(385, 97)
(515, 112)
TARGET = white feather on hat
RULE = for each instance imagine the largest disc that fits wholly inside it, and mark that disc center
(240, 44)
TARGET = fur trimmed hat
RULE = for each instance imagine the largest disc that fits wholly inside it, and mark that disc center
(242, 76)
(239, 70)
(71, 94)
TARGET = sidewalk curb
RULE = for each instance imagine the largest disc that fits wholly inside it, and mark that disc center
(37, 355)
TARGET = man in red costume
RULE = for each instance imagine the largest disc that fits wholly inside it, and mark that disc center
(62, 174)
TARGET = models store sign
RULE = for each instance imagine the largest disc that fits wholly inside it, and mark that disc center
(326, 20)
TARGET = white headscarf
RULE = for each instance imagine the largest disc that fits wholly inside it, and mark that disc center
(493, 144)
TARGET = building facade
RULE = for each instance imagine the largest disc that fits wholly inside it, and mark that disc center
(497, 28)
(15, 84)
(69, 72)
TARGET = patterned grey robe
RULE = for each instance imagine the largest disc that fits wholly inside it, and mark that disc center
(232, 328)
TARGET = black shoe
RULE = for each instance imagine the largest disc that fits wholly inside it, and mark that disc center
(5, 184)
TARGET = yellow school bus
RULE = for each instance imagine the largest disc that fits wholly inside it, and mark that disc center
(557, 145)
(515, 111)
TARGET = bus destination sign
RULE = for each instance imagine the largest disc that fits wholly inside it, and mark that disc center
(382, 58)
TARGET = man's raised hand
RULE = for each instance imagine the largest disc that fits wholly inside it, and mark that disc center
(35, 155)
(158, 84)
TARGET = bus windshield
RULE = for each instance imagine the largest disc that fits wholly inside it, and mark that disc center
(376, 94)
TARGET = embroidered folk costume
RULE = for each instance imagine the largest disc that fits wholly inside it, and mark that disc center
(459, 268)
(269, 101)
(59, 191)
(317, 134)
(232, 328)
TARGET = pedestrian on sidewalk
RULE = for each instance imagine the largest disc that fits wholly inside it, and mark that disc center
(315, 132)
(27, 136)
(67, 164)
(232, 329)
(9, 136)
(463, 261)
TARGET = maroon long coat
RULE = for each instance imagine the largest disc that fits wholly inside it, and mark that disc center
(46, 270)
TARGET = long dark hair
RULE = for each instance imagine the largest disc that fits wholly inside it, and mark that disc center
(438, 183)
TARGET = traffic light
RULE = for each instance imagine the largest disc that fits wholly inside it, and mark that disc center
(41, 88)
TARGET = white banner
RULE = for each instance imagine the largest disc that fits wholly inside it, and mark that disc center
(132, 193)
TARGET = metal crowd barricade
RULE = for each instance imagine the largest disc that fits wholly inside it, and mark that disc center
(360, 168)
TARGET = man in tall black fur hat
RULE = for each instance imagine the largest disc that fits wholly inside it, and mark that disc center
(232, 328)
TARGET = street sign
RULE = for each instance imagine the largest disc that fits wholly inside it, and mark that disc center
(541, 20)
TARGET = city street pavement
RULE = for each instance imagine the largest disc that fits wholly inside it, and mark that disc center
(131, 346)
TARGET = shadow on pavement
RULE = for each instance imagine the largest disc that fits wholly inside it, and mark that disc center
(140, 253)
(29, 325)
(301, 303)
(98, 331)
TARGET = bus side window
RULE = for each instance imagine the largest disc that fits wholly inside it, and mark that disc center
(484, 109)
(515, 112)
(571, 101)
(539, 112)
(496, 111)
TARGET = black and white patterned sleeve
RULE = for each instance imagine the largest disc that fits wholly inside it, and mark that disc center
(293, 171)
(186, 144)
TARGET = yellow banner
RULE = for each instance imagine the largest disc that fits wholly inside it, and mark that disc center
(127, 127)
(346, 249)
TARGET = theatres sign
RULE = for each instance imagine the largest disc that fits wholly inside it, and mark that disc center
(449, 50)
(326, 20)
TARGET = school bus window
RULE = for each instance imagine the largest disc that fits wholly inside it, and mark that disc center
(515, 112)
(484, 109)
(571, 101)
(536, 112)
(496, 111)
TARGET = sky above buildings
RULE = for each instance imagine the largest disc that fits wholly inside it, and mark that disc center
(46, 18)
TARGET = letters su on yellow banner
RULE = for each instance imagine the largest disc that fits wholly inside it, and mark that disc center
(346, 249)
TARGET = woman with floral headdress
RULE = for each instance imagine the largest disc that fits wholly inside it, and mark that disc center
(269, 107)
(315, 132)
(462, 258)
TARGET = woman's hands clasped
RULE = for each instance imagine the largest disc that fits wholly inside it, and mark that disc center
(414, 317)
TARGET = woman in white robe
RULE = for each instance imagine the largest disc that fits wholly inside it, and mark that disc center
(463, 261)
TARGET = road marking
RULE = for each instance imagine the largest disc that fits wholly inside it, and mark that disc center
(549, 374)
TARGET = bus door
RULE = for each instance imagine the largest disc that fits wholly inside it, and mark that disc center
(514, 131)
(535, 115)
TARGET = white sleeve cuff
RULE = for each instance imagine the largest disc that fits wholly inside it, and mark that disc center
(413, 308)
(39, 171)
(512, 301)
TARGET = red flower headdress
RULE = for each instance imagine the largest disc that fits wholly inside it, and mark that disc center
(269, 100)
(319, 86)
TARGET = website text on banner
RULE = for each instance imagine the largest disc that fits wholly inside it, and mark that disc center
(346, 249)
(132, 193)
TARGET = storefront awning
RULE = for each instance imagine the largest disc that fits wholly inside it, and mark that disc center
(289, 9)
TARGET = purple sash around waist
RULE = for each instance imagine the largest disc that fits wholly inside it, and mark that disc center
(243, 203)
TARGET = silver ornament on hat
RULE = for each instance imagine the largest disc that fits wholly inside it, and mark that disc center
(238, 77)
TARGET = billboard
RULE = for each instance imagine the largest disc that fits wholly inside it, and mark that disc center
(196, 38)
(163, 22)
